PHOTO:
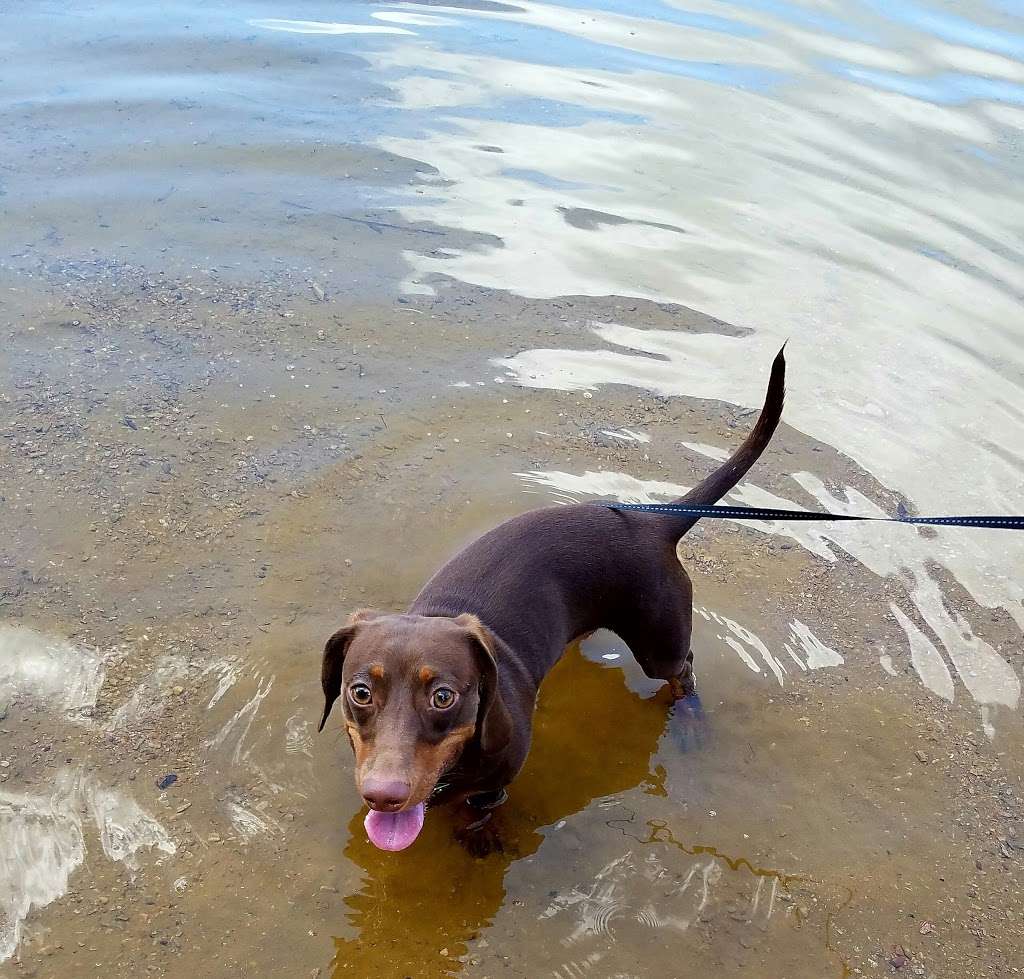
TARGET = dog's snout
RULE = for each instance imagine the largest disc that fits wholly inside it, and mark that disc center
(386, 794)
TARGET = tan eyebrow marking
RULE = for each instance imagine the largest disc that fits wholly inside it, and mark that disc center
(377, 671)
(426, 674)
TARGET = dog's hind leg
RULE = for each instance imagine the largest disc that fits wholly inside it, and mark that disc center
(658, 631)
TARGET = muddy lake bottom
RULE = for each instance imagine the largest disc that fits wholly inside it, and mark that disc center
(200, 480)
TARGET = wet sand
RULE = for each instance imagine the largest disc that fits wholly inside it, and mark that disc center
(200, 479)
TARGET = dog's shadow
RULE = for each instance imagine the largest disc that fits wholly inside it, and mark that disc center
(418, 910)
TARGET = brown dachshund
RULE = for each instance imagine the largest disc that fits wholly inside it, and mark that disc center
(438, 701)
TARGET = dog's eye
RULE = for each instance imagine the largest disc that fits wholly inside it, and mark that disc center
(443, 698)
(360, 694)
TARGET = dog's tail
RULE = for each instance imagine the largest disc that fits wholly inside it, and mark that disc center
(730, 472)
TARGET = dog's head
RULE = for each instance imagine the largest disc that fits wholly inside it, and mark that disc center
(415, 691)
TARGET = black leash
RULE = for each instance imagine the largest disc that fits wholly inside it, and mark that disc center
(762, 513)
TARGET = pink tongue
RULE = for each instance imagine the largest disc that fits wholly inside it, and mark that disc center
(394, 830)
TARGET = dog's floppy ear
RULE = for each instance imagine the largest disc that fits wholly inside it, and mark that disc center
(494, 725)
(334, 659)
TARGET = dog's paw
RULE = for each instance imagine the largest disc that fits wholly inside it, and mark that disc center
(688, 723)
(481, 837)
(486, 801)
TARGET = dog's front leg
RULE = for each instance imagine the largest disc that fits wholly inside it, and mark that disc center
(480, 833)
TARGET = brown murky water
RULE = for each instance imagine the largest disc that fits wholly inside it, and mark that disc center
(293, 308)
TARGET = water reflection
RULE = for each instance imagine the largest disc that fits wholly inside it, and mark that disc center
(418, 910)
(896, 295)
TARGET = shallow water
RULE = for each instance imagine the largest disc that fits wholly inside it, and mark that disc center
(290, 287)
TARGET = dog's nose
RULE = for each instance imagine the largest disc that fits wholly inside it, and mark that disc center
(386, 794)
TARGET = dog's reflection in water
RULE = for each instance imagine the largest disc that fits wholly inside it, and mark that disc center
(418, 909)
